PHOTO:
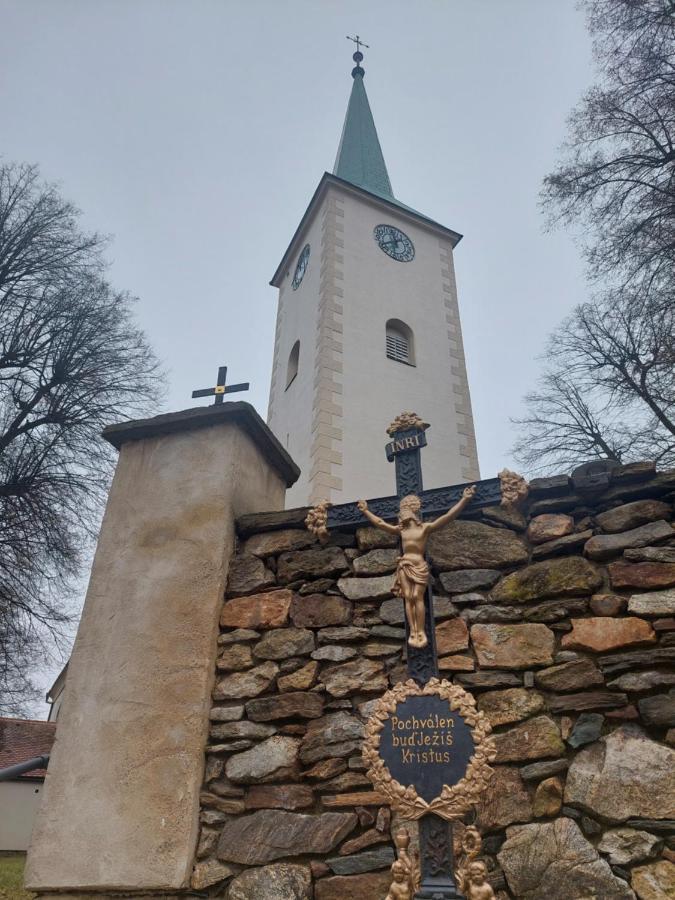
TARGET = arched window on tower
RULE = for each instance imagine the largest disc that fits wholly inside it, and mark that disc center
(400, 344)
(293, 359)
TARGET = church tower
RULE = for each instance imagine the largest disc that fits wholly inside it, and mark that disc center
(367, 326)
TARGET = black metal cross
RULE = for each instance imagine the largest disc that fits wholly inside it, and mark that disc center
(436, 850)
(220, 387)
(435, 834)
(359, 43)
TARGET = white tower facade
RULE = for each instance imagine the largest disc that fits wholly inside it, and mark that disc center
(367, 327)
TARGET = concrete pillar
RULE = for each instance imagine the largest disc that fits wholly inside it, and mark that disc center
(121, 800)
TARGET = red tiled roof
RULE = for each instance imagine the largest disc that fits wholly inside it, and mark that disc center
(22, 739)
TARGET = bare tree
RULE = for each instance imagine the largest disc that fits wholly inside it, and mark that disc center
(617, 177)
(608, 388)
(71, 362)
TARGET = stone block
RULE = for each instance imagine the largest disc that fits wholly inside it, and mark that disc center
(272, 543)
(363, 675)
(553, 860)
(632, 515)
(279, 796)
(653, 603)
(511, 705)
(564, 577)
(210, 872)
(586, 730)
(586, 700)
(603, 633)
(322, 562)
(366, 861)
(282, 643)
(604, 546)
(376, 562)
(369, 538)
(642, 681)
(547, 798)
(626, 846)
(571, 543)
(659, 710)
(353, 887)
(607, 604)
(377, 588)
(655, 881)
(512, 646)
(536, 738)
(334, 653)
(549, 527)
(623, 774)
(569, 676)
(486, 680)
(247, 575)
(320, 610)
(300, 680)
(271, 760)
(298, 704)
(538, 770)
(235, 658)
(641, 575)
(270, 834)
(651, 554)
(246, 684)
(467, 580)
(334, 735)
(473, 545)
(457, 663)
(504, 801)
(267, 610)
(451, 636)
(281, 881)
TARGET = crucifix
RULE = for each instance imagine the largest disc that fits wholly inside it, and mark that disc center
(221, 388)
(408, 434)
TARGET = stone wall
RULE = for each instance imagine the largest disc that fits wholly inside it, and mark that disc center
(560, 620)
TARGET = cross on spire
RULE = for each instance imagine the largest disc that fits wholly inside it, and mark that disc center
(359, 43)
(220, 387)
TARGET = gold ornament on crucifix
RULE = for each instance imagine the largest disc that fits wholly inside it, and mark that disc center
(412, 569)
(471, 871)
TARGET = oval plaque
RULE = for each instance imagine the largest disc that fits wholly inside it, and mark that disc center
(428, 749)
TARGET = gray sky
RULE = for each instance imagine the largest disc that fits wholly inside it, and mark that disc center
(194, 132)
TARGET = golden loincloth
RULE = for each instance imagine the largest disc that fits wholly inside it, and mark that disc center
(416, 570)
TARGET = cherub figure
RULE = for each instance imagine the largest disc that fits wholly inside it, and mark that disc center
(400, 886)
(412, 569)
(472, 872)
(404, 871)
(478, 887)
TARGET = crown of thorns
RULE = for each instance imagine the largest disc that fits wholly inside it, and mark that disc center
(412, 502)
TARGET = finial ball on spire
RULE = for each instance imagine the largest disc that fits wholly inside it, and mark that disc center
(357, 57)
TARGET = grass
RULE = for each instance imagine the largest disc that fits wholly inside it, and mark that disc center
(11, 878)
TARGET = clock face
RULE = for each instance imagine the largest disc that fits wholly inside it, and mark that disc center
(394, 242)
(301, 267)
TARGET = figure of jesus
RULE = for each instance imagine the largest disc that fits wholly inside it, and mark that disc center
(412, 569)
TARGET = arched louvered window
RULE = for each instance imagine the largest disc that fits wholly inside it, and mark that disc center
(400, 344)
(293, 360)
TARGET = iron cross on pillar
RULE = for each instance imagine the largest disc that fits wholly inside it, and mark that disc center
(221, 387)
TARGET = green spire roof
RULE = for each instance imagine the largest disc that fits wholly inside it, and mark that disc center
(359, 157)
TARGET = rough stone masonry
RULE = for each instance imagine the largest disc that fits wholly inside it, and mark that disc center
(560, 619)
